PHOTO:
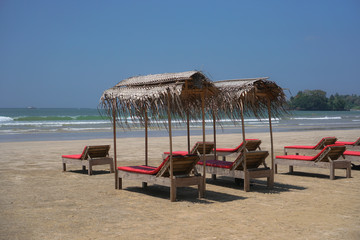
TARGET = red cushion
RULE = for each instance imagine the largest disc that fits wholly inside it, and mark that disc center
(307, 147)
(217, 163)
(304, 158)
(143, 169)
(139, 169)
(300, 147)
(227, 149)
(232, 149)
(352, 153)
(297, 157)
(344, 143)
(182, 153)
(74, 156)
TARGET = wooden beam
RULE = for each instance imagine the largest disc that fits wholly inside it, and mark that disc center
(114, 107)
(146, 138)
(214, 126)
(203, 129)
(188, 130)
(172, 187)
(271, 135)
(246, 176)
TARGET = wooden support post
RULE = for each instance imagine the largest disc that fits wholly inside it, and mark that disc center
(188, 130)
(114, 107)
(213, 176)
(271, 136)
(173, 186)
(214, 126)
(246, 173)
(146, 138)
(203, 129)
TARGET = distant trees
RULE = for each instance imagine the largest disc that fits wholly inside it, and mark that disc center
(317, 100)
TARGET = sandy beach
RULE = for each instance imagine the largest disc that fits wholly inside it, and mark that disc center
(40, 201)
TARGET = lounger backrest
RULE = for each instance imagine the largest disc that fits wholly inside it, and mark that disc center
(333, 152)
(253, 160)
(357, 142)
(252, 144)
(182, 165)
(96, 151)
(199, 148)
(324, 142)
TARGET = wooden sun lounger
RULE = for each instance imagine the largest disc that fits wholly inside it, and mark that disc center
(91, 156)
(184, 174)
(353, 156)
(236, 169)
(350, 145)
(198, 149)
(251, 145)
(301, 149)
(326, 158)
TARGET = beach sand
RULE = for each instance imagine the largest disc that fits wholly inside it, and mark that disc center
(39, 201)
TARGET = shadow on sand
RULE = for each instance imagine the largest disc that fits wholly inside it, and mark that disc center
(185, 194)
(94, 172)
(314, 175)
(256, 185)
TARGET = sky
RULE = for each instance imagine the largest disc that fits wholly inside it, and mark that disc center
(65, 53)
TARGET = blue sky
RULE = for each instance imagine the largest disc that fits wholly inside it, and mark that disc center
(66, 53)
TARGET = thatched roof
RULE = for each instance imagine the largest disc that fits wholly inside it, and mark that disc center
(253, 94)
(136, 95)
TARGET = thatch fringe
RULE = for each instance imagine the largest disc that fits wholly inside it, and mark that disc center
(253, 95)
(137, 95)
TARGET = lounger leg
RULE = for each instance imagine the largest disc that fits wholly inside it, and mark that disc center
(90, 169)
(111, 167)
(83, 168)
(348, 171)
(270, 180)
(213, 176)
(276, 170)
(332, 171)
(173, 191)
(119, 183)
(246, 182)
(144, 184)
(291, 169)
(64, 167)
(201, 189)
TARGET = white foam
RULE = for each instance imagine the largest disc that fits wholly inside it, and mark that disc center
(5, 119)
(316, 118)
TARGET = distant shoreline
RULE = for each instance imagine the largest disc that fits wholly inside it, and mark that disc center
(153, 133)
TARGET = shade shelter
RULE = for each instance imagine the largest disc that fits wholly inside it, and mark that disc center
(172, 95)
(257, 96)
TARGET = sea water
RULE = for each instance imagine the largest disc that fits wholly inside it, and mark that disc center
(29, 124)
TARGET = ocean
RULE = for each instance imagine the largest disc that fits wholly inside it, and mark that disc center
(42, 124)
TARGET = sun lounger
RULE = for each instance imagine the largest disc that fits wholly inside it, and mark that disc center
(198, 148)
(251, 145)
(353, 156)
(326, 158)
(352, 145)
(184, 174)
(236, 169)
(301, 149)
(91, 156)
